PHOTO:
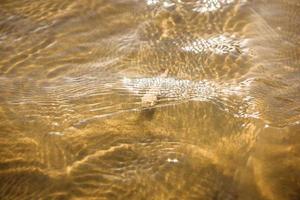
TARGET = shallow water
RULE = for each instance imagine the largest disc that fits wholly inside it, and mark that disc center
(150, 99)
